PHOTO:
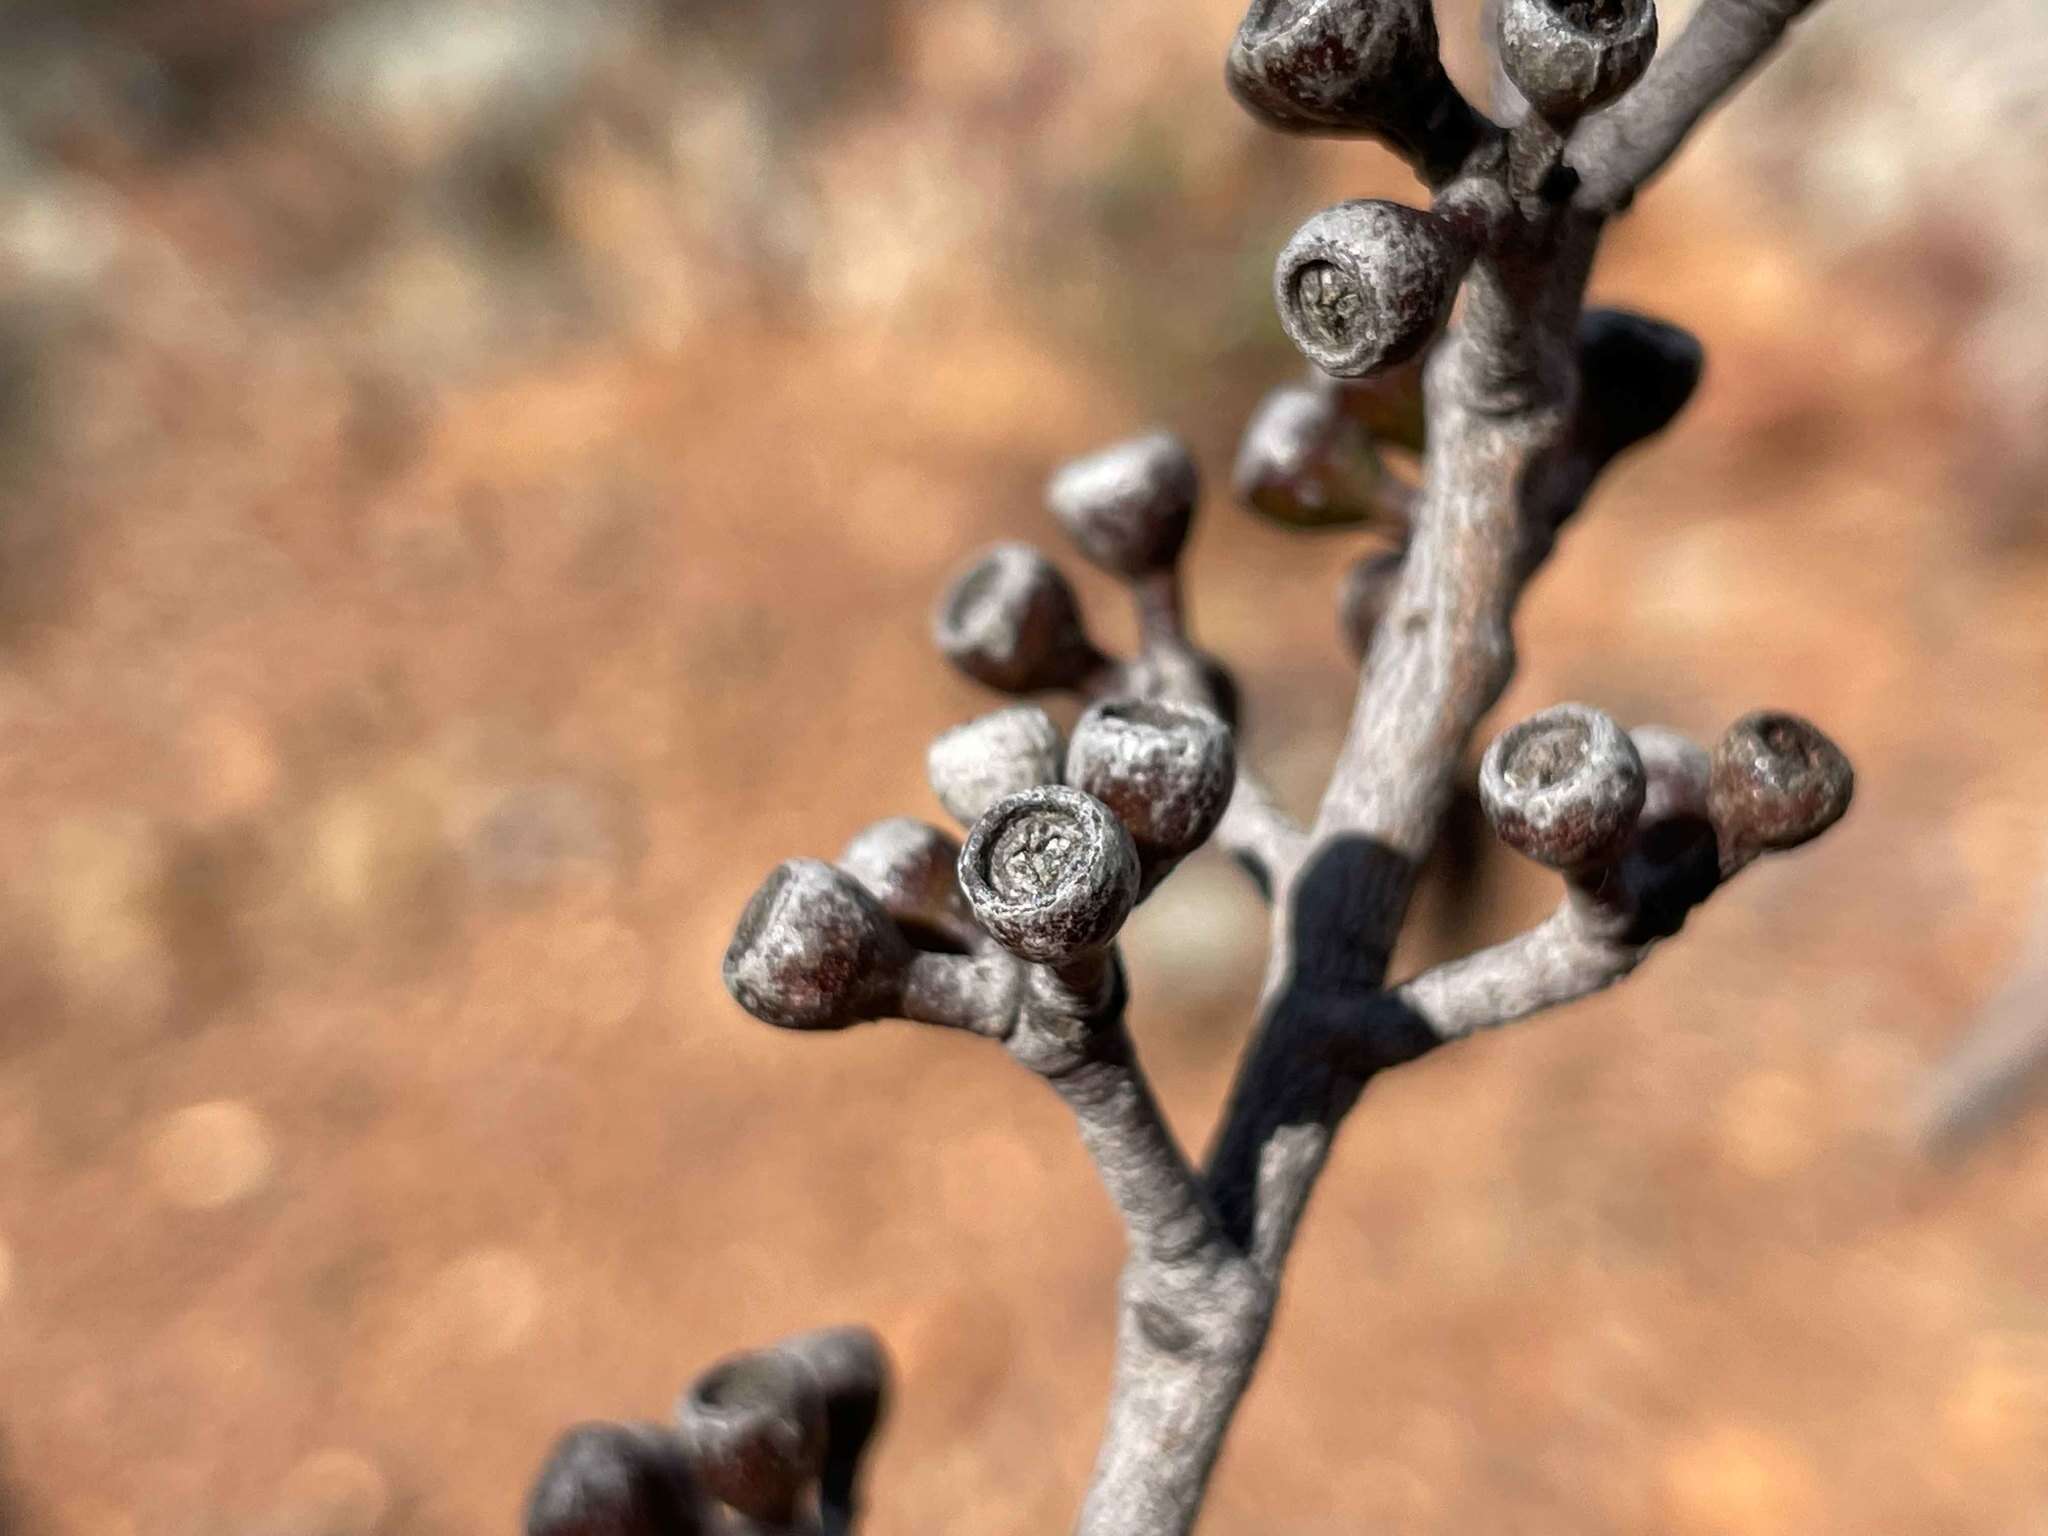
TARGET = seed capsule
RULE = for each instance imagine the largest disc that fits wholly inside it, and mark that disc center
(1128, 508)
(1564, 787)
(1010, 621)
(1570, 57)
(1050, 874)
(614, 1480)
(1305, 463)
(908, 867)
(1353, 67)
(1636, 374)
(755, 1428)
(1165, 770)
(813, 950)
(1776, 782)
(972, 766)
(1367, 284)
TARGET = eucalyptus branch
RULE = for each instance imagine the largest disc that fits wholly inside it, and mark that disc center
(1456, 332)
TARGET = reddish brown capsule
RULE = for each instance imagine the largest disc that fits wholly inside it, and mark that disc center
(614, 1480)
(755, 1429)
(1050, 873)
(1564, 787)
(1367, 284)
(1010, 621)
(813, 949)
(1128, 507)
(1776, 782)
(1571, 57)
(1165, 770)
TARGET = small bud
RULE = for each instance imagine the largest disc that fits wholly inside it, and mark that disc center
(1365, 597)
(1570, 57)
(755, 1428)
(613, 1480)
(909, 868)
(813, 950)
(1303, 462)
(1352, 67)
(1564, 787)
(1050, 874)
(1165, 771)
(1636, 375)
(1367, 284)
(972, 766)
(1128, 507)
(1010, 621)
(1776, 782)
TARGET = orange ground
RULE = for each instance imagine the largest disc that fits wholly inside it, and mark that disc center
(382, 763)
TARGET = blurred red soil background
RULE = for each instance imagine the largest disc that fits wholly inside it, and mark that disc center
(473, 474)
